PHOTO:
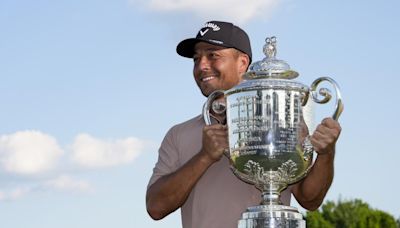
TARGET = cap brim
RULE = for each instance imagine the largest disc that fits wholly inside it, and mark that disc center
(186, 47)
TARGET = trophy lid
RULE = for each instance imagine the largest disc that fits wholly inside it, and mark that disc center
(270, 66)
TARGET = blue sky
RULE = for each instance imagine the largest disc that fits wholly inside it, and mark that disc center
(89, 88)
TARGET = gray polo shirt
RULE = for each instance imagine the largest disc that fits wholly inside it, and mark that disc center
(219, 197)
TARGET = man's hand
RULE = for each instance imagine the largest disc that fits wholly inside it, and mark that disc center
(325, 136)
(171, 191)
(310, 192)
(215, 141)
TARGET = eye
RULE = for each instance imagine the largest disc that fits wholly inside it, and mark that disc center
(213, 55)
(195, 58)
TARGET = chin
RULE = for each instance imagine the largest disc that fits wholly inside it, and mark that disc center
(206, 94)
(207, 91)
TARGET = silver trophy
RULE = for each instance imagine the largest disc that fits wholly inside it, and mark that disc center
(269, 143)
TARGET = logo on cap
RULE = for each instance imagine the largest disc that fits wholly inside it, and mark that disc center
(207, 27)
(212, 25)
(203, 32)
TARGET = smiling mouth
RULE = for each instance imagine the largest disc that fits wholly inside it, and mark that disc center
(206, 79)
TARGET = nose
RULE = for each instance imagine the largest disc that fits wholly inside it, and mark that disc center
(203, 63)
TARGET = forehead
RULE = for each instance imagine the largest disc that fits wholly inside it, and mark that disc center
(203, 46)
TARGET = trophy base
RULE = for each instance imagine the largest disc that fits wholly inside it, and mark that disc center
(272, 216)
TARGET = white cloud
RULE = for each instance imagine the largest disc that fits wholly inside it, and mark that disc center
(18, 193)
(14, 194)
(33, 152)
(63, 183)
(90, 152)
(67, 183)
(28, 152)
(233, 10)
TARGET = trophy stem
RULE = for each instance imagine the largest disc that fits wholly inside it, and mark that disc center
(271, 193)
(271, 213)
(271, 198)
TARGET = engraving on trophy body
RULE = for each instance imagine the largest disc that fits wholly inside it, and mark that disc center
(264, 129)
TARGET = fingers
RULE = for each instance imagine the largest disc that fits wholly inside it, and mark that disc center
(328, 128)
(217, 128)
(331, 123)
(216, 134)
(215, 140)
(325, 136)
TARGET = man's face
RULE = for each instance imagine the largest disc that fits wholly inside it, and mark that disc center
(217, 68)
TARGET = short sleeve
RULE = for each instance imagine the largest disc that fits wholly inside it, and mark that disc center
(168, 157)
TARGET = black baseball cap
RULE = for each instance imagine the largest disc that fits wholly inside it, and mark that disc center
(218, 33)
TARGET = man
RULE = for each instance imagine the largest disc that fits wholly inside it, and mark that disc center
(192, 173)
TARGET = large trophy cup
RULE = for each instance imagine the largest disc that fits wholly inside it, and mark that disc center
(269, 143)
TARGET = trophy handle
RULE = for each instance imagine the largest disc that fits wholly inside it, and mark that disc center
(210, 104)
(217, 107)
(326, 95)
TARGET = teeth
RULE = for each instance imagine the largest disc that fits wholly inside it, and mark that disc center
(207, 78)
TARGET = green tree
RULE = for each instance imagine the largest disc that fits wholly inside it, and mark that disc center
(349, 214)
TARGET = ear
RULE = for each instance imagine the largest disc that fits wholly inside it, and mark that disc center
(243, 62)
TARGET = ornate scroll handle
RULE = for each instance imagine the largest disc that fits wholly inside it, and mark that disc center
(216, 107)
(326, 95)
(210, 105)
